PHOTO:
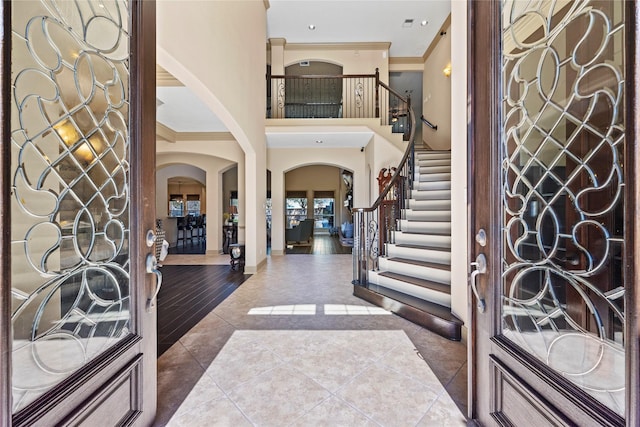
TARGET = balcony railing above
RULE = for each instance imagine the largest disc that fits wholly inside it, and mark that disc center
(336, 97)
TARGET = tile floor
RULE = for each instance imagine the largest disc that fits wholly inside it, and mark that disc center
(293, 346)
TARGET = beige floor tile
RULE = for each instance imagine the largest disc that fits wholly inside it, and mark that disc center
(220, 412)
(330, 365)
(236, 364)
(206, 390)
(407, 361)
(319, 369)
(278, 397)
(444, 413)
(334, 412)
(389, 398)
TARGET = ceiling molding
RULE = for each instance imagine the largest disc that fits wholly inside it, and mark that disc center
(204, 136)
(339, 46)
(406, 63)
(445, 26)
(165, 133)
(277, 42)
(164, 78)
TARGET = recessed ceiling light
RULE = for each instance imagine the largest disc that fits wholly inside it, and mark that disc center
(407, 23)
(312, 27)
(424, 23)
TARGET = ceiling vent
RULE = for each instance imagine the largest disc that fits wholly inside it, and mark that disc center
(407, 23)
(304, 63)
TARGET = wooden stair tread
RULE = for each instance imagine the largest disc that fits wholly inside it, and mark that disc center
(430, 233)
(421, 263)
(423, 283)
(431, 316)
(429, 248)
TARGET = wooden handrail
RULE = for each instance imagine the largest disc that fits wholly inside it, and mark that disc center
(403, 161)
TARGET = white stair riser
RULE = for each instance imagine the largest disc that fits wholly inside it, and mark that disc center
(434, 177)
(431, 194)
(432, 185)
(428, 156)
(425, 205)
(425, 227)
(412, 215)
(433, 169)
(401, 238)
(428, 255)
(407, 288)
(419, 271)
(433, 162)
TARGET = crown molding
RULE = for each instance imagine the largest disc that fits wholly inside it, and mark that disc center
(165, 133)
(339, 46)
(406, 63)
(205, 136)
(277, 41)
(445, 26)
(164, 78)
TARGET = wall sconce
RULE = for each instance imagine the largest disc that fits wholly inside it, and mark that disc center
(447, 70)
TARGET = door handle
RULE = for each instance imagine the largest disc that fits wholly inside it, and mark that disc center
(152, 267)
(480, 265)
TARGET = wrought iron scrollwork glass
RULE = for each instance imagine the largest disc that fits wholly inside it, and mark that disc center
(562, 157)
(70, 190)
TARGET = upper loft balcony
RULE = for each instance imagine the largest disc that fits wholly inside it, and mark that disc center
(343, 96)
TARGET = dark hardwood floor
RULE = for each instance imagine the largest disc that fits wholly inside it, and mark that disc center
(188, 294)
(320, 245)
(196, 247)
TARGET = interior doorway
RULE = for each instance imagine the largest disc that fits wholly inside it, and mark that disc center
(318, 199)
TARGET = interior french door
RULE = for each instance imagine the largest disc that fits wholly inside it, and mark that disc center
(556, 251)
(78, 146)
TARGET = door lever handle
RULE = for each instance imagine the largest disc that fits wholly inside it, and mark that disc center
(152, 267)
(481, 268)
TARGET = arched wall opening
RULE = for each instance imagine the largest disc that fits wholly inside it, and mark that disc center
(282, 161)
(202, 168)
(317, 192)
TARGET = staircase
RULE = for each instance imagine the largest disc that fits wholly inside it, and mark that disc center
(414, 278)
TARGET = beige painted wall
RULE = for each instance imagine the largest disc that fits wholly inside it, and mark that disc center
(354, 60)
(436, 94)
(459, 209)
(198, 42)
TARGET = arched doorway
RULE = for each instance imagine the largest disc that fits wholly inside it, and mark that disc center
(315, 210)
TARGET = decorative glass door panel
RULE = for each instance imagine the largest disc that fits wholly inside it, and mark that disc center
(70, 188)
(563, 145)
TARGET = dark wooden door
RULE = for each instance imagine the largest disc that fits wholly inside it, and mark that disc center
(554, 151)
(78, 147)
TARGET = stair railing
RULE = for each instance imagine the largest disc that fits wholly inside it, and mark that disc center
(373, 226)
